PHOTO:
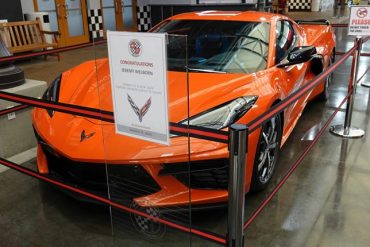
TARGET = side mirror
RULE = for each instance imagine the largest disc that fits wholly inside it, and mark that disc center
(299, 55)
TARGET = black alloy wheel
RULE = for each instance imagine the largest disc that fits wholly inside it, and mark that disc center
(324, 96)
(267, 153)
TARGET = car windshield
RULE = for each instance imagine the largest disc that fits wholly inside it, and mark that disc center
(217, 46)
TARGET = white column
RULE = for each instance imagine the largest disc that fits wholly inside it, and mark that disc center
(315, 5)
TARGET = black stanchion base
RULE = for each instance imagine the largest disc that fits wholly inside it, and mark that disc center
(11, 76)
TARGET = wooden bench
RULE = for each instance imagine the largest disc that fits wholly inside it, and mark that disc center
(24, 36)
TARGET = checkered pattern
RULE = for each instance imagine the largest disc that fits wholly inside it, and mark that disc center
(304, 5)
(144, 22)
(95, 19)
(144, 223)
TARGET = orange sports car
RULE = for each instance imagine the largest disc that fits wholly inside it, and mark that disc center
(240, 64)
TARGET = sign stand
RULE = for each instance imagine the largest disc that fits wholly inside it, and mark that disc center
(138, 69)
(359, 25)
(359, 22)
(347, 130)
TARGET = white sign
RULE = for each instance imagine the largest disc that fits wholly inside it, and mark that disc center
(359, 21)
(138, 68)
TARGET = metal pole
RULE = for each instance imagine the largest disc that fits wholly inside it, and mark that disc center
(347, 130)
(238, 143)
(352, 87)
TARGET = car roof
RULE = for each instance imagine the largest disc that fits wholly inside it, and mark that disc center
(228, 16)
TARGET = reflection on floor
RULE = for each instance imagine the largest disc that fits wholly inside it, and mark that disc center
(324, 203)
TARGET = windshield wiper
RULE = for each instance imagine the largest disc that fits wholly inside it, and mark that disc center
(207, 70)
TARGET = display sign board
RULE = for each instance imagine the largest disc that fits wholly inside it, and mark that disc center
(138, 69)
(359, 21)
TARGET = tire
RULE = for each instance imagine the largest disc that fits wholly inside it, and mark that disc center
(324, 96)
(267, 153)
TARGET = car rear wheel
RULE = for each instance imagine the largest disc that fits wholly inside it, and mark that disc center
(324, 96)
(267, 153)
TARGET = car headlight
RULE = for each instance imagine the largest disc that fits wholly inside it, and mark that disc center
(224, 115)
(52, 93)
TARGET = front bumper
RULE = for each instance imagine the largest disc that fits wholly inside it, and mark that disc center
(154, 185)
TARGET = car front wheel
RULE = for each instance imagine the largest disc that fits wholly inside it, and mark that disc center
(267, 153)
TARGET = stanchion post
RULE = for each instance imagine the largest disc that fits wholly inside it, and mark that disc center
(238, 143)
(347, 130)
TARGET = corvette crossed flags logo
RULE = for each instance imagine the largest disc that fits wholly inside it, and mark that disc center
(143, 110)
(84, 136)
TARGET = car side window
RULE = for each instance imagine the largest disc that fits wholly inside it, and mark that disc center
(286, 40)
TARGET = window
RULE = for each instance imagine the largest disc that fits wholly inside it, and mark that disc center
(286, 40)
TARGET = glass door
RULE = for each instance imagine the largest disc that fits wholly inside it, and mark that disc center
(128, 10)
(110, 15)
(49, 7)
(73, 21)
(119, 15)
(68, 17)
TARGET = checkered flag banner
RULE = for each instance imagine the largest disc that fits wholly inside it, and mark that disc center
(95, 19)
(299, 5)
(144, 22)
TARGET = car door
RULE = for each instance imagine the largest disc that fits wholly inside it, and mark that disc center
(293, 76)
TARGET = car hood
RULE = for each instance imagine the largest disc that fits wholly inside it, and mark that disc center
(206, 90)
(90, 87)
